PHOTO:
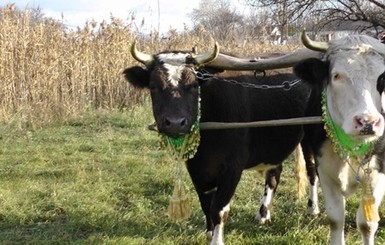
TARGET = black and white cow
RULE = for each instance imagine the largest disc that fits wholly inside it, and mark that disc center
(350, 154)
(176, 81)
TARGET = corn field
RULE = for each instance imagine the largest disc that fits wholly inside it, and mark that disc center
(48, 73)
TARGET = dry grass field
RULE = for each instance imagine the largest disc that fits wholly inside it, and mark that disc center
(48, 74)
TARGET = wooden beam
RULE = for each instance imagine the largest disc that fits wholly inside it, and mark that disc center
(257, 124)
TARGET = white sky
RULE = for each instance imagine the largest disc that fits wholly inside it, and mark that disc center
(173, 13)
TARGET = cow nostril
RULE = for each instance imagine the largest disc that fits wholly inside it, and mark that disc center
(183, 122)
(358, 122)
(377, 123)
(175, 123)
(167, 122)
(368, 124)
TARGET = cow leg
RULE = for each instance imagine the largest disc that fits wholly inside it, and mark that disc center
(205, 199)
(271, 183)
(368, 229)
(220, 207)
(215, 190)
(334, 201)
(312, 204)
(311, 169)
(205, 186)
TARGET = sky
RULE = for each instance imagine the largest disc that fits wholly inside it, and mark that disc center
(173, 13)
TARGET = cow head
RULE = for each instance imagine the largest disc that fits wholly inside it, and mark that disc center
(352, 72)
(171, 79)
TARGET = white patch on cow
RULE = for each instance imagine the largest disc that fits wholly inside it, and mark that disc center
(218, 230)
(267, 201)
(363, 48)
(174, 63)
(175, 59)
(224, 212)
(174, 74)
(218, 235)
(313, 196)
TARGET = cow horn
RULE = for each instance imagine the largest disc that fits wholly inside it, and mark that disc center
(143, 58)
(204, 58)
(313, 45)
(227, 62)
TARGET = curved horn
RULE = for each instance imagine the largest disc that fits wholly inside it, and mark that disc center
(227, 62)
(143, 58)
(204, 58)
(313, 45)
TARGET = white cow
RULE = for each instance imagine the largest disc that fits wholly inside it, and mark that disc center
(350, 151)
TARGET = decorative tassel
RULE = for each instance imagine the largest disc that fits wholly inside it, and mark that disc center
(370, 209)
(179, 207)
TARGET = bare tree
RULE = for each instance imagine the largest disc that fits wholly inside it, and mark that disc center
(369, 11)
(325, 12)
(284, 14)
(217, 17)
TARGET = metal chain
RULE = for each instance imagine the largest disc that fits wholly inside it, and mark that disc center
(286, 85)
(361, 165)
(204, 75)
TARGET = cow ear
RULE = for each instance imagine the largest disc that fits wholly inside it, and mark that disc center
(312, 70)
(137, 76)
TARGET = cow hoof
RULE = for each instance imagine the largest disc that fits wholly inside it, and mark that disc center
(209, 236)
(312, 211)
(263, 220)
(217, 243)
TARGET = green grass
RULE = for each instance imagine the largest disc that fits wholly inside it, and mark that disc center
(101, 179)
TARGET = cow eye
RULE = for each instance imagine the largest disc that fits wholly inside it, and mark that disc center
(336, 76)
(381, 83)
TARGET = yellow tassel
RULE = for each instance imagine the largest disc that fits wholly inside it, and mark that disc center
(370, 210)
(180, 207)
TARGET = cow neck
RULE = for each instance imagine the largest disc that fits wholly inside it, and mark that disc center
(185, 146)
(343, 144)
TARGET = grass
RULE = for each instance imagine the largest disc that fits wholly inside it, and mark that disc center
(101, 179)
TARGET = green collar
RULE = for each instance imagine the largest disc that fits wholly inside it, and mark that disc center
(342, 143)
(185, 146)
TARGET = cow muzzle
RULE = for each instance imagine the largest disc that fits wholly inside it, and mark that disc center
(174, 126)
(371, 125)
